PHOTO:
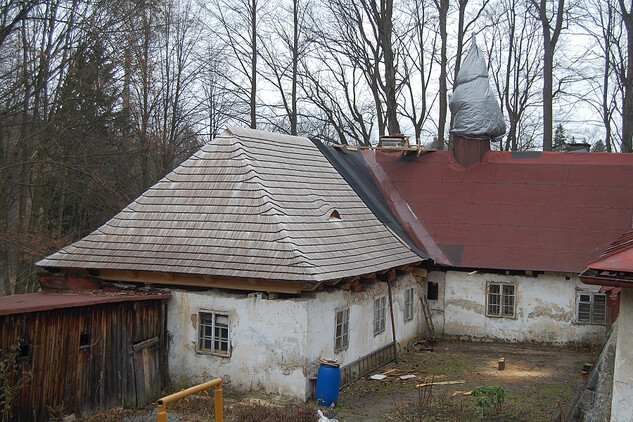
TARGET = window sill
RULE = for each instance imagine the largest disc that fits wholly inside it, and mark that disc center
(502, 316)
(602, 324)
(210, 353)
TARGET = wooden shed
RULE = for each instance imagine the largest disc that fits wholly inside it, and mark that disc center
(81, 352)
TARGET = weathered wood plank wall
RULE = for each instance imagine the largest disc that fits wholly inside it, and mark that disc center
(83, 359)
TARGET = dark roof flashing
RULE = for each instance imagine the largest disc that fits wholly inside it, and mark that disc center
(517, 155)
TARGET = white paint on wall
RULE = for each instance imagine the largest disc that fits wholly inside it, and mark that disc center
(276, 344)
(621, 403)
(545, 309)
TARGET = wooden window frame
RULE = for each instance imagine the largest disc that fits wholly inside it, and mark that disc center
(500, 300)
(590, 312)
(380, 314)
(214, 333)
(341, 332)
(409, 294)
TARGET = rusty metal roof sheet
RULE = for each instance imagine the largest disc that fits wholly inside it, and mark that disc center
(617, 257)
(35, 302)
(250, 204)
(615, 266)
(542, 211)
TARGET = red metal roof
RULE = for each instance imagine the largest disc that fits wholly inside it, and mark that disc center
(618, 257)
(614, 267)
(35, 302)
(541, 211)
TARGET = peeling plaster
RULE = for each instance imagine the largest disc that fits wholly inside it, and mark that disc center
(276, 344)
(553, 311)
(621, 404)
(545, 309)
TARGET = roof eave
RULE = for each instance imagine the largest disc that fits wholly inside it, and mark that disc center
(588, 277)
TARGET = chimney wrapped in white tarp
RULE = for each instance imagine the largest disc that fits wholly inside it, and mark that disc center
(473, 104)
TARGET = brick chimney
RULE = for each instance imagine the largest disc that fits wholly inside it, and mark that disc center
(468, 151)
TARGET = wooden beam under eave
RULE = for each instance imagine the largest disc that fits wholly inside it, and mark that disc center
(391, 276)
(369, 277)
(420, 272)
(191, 280)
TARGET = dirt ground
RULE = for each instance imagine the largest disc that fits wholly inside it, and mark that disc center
(537, 382)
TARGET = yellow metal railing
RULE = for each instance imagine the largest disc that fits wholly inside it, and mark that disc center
(216, 383)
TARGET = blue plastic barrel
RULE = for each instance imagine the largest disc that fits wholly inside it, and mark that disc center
(328, 382)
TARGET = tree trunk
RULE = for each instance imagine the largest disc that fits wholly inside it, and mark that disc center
(295, 65)
(550, 38)
(253, 95)
(627, 114)
(386, 30)
(442, 7)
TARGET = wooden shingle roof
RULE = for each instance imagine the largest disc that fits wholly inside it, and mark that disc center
(252, 205)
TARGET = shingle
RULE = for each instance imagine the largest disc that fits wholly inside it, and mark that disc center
(250, 204)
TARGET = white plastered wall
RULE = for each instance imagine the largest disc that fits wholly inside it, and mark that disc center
(621, 404)
(276, 344)
(545, 309)
(361, 337)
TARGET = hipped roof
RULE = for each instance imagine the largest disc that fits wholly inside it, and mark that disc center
(249, 204)
(541, 211)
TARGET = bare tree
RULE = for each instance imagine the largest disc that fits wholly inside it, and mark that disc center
(552, 21)
(238, 29)
(281, 52)
(335, 89)
(512, 43)
(464, 28)
(362, 33)
(218, 102)
(626, 12)
(418, 49)
(12, 13)
(602, 24)
(68, 158)
(442, 9)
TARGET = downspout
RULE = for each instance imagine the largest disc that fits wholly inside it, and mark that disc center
(393, 324)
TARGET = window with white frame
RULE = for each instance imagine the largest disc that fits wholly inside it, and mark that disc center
(213, 333)
(500, 300)
(592, 307)
(380, 310)
(408, 304)
(341, 339)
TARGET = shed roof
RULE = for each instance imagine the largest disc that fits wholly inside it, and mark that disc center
(541, 211)
(617, 257)
(614, 267)
(249, 204)
(35, 302)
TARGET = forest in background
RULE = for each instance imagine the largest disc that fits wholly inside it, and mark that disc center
(101, 98)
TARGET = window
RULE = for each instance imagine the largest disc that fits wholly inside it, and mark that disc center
(24, 352)
(84, 341)
(592, 308)
(432, 290)
(380, 306)
(408, 304)
(341, 340)
(213, 333)
(500, 300)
